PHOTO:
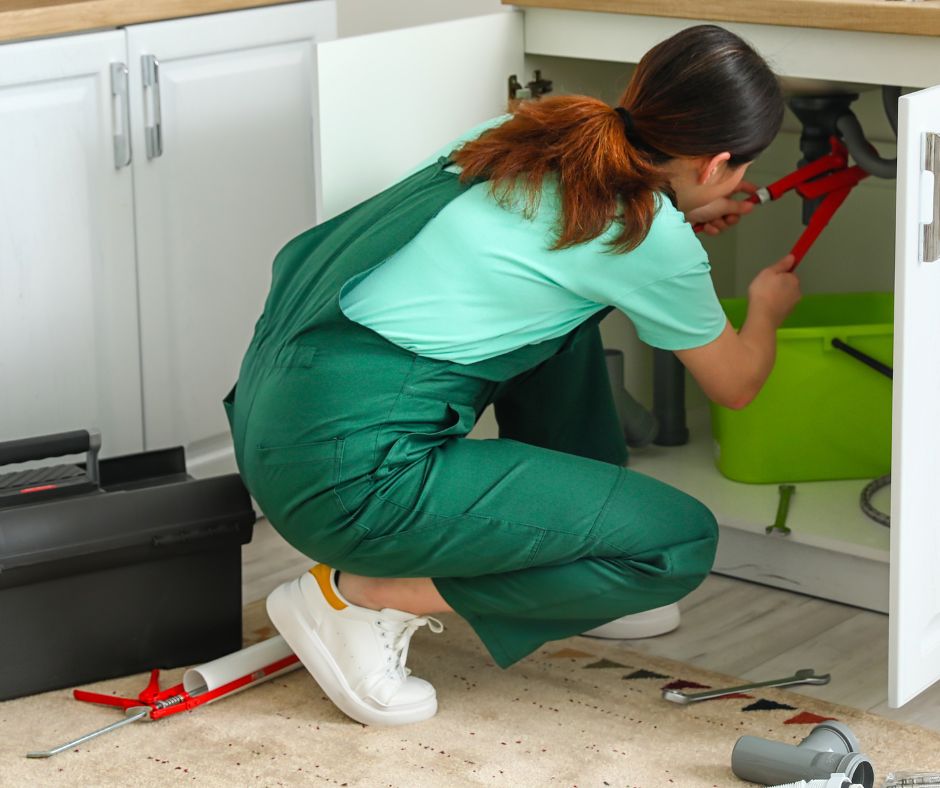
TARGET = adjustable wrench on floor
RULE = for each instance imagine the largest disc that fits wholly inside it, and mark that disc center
(804, 676)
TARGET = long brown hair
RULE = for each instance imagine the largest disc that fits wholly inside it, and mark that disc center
(701, 92)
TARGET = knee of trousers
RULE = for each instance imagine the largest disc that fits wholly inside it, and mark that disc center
(670, 571)
(676, 570)
(691, 559)
(680, 551)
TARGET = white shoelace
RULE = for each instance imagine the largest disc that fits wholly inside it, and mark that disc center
(399, 633)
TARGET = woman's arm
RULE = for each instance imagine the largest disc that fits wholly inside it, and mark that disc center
(732, 369)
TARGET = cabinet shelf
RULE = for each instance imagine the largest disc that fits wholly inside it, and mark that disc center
(834, 551)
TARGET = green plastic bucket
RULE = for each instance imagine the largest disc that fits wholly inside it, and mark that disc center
(822, 414)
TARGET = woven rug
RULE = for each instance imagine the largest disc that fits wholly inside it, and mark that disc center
(580, 712)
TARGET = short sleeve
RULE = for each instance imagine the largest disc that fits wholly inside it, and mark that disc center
(664, 285)
(676, 313)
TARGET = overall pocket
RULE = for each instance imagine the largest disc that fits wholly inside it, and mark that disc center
(328, 451)
(296, 490)
(429, 424)
(286, 477)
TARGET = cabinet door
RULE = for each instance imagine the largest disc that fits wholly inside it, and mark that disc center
(388, 100)
(233, 181)
(914, 661)
(68, 304)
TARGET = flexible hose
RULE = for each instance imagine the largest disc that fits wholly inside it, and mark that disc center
(863, 153)
(889, 97)
(868, 493)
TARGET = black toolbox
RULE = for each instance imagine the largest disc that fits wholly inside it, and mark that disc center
(117, 567)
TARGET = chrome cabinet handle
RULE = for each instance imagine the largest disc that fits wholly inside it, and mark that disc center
(153, 131)
(930, 233)
(121, 118)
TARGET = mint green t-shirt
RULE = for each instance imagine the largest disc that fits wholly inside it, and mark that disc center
(480, 280)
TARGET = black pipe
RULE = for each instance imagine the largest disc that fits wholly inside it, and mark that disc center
(889, 98)
(669, 399)
(818, 116)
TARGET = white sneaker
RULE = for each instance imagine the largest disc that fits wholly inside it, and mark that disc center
(647, 624)
(355, 654)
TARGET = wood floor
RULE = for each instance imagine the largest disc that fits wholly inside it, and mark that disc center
(728, 625)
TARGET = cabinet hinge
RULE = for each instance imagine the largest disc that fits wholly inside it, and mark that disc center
(120, 116)
(153, 128)
(930, 199)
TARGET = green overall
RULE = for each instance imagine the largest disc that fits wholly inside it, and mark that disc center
(356, 451)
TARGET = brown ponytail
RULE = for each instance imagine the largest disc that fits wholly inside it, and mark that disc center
(701, 92)
(581, 141)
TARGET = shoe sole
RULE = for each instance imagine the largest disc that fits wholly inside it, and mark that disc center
(658, 622)
(285, 606)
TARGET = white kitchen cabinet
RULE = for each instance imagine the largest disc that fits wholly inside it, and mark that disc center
(914, 624)
(130, 279)
(388, 100)
(432, 105)
(232, 180)
(68, 289)
(264, 133)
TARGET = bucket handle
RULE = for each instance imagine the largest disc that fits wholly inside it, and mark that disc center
(876, 365)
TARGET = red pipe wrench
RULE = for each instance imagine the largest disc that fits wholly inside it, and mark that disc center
(829, 177)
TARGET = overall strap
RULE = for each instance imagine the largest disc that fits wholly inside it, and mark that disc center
(310, 271)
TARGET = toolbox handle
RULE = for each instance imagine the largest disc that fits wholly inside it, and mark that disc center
(54, 445)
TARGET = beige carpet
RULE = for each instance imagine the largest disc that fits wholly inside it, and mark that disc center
(581, 712)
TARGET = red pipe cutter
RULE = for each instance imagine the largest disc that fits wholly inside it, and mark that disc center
(155, 703)
(175, 699)
(829, 177)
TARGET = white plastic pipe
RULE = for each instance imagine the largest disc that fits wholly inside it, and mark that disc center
(251, 660)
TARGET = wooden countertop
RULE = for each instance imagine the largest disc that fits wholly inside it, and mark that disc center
(911, 17)
(36, 18)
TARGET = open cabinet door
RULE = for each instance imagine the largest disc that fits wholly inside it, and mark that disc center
(389, 100)
(914, 660)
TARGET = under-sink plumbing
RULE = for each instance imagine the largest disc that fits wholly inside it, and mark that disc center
(825, 116)
(827, 122)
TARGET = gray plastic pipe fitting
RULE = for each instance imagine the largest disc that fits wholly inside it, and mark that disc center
(830, 748)
(638, 424)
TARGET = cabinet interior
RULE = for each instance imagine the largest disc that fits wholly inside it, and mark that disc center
(854, 254)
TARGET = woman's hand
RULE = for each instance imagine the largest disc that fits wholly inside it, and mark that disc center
(724, 212)
(774, 292)
(732, 369)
